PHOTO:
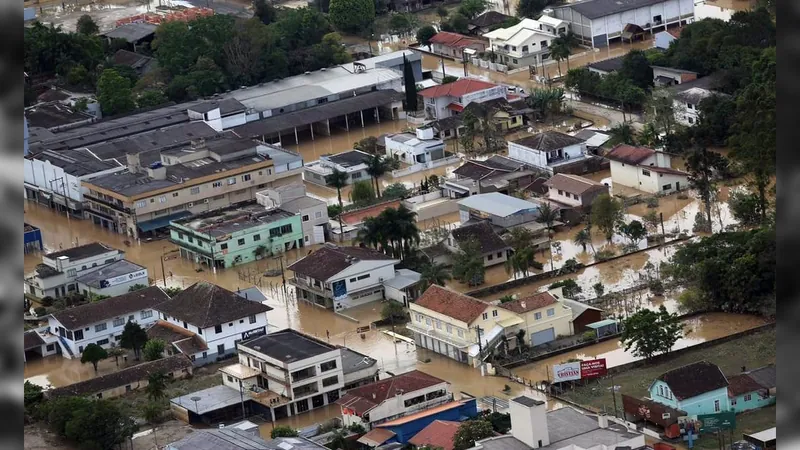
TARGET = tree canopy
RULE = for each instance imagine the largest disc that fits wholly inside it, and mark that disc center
(650, 332)
(470, 431)
(93, 353)
(352, 15)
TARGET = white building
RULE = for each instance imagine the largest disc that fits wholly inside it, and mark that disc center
(645, 169)
(102, 322)
(549, 150)
(214, 320)
(392, 398)
(114, 279)
(686, 99)
(573, 190)
(663, 39)
(342, 277)
(419, 148)
(219, 114)
(292, 197)
(353, 163)
(450, 99)
(493, 249)
(526, 43)
(57, 275)
(598, 22)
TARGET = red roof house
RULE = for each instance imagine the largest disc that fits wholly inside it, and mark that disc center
(453, 44)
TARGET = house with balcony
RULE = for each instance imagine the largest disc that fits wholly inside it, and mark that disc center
(492, 247)
(418, 148)
(450, 323)
(551, 151)
(342, 277)
(353, 163)
(524, 44)
(57, 275)
(313, 212)
(213, 320)
(453, 44)
(545, 317)
(645, 169)
(450, 99)
(495, 174)
(102, 322)
(393, 398)
(230, 236)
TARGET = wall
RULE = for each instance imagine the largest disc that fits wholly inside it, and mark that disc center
(49, 178)
(560, 321)
(484, 95)
(394, 407)
(564, 197)
(683, 113)
(112, 291)
(704, 403)
(112, 333)
(528, 155)
(231, 332)
(755, 402)
(625, 175)
(408, 430)
(656, 181)
(141, 384)
(317, 215)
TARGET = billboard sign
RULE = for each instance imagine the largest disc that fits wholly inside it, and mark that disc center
(567, 372)
(710, 423)
(254, 333)
(138, 275)
(593, 368)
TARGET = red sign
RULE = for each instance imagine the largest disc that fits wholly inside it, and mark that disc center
(593, 368)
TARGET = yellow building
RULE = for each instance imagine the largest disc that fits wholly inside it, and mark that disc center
(544, 316)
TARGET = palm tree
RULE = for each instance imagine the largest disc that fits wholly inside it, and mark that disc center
(434, 273)
(583, 238)
(559, 51)
(519, 238)
(568, 41)
(547, 216)
(337, 179)
(649, 136)
(520, 261)
(622, 134)
(156, 386)
(371, 234)
(377, 166)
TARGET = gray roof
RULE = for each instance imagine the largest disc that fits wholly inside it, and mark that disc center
(577, 307)
(55, 114)
(593, 138)
(226, 221)
(301, 203)
(593, 9)
(765, 376)
(353, 361)
(294, 443)
(403, 278)
(280, 156)
(220, 439)
(116, 269)
(211, 399)
(527, 401)
(548, 141)
(708, 82)
(252, 294)
(608, 65)
(673, 69)
(288, 345)
(349, 159)
(497, 204)
(695, 95)
(388, 59)
(82, 251)
(132, 32)
(226, 106)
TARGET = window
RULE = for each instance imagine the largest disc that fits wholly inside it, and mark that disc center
(223, 246)
(231, 180)
(221, 349)
(646, 173)
(130, 318)
(355, 175)
(218, 329)
(328, 365)
(51, 347)
(543, 44)
(79, 336)
(194, 190)
(252, 318)
(689, 106)
(427, 321)
(305, 218)
(185, 325)
(716, 405)
(551, 312)
(733, 401)
(274, 232)
(657, 19)
(499, 254)
(748, 397)
(256, 237)
(141, 203)
(515, 61)
(240, 241)
(286, 228)
(305, 238)
(102, 342)
(352, 280)
(363, 277)
(330, 381)
(449, 329)
(524, 49)
(216, 184)
(460, 332)
(230, 378)
(205, 355)
(100, 327)
(537, 316)
(174, 194)
(439, 324)
(246, 177)
(560, 192)
(162, 199)
(666, 187)
(661, 391)
(152, 200)
(690, 120)
(485, 316)
(419, 317)
(494, 313)
(191, 240)
(490, 257)
(71, 272)
(146, 314)
(513, 48)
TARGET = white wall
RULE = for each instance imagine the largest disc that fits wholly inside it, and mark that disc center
(317, 215)
(386, 271)
(394, 406)
(42, 173)
(686, 114)
(482, 96)
(111, 332)
(656, 181)
(113, 291)
(231, 331)
(563, 197)
(528, 155)
(625, 175)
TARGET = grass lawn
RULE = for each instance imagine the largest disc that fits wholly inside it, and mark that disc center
(751, 351)
(746, 423)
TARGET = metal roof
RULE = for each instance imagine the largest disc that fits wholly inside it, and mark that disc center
(602, 323)
(593, 9)
(497, 204)
(132, 32)
(121, 267)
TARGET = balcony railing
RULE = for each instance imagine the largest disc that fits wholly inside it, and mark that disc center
(306, 285)
(305, 390)
(111, 204)
(303, 375)
(457, 342)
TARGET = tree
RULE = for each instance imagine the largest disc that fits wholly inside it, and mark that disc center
(410, 85)
(570, 287)
(86, 25)
(93, 353)
(154, 349)
(532, 9)
(362, 192)
(150, 98)
(607, 212)
(506, 298)
(650, 332)
(396, 190)
(472, 8)
(701, 165)
(100, 425)
(402, 23)
(367, 145)
(116, 352)
(559, 51)
(547, 216)
(156, 386)
(114, 93)
(133, 338)
(583, 238)
(378, 166)
(599, 289)
(433, 273)
(470, 431)
(745, 207)
(522, 260)
(717, 114)
(634, 231)
(33, 395)
(459, 23)
(394, 312)
(264, 11)
(338, 180)
(352, 15)
(636, 68)
(78, 75)
(424, 35)
(468, 264)
(651, 221)
(442, 12)
(283, 431)
(153, 412)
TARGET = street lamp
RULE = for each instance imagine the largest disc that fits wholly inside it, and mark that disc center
(196, 399)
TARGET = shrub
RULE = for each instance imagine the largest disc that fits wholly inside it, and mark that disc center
(283, 431)
(47, 301)
(656, 287)
(604, 254)
(588, 336)
(357, 428)
(40, 311)
(652, 202)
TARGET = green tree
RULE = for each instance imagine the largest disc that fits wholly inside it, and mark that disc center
(153, 412)
(367, 145)
(103, 425)
(352, 15)
(442, 12)
(472, 8)
(410, 85)
(470, 431)
(150, 98)
(78, 75)
(156, 388)
(154, 349)
(651, 221)
(459, 23)
(114, 93)
(599, 289)
(560, 52)
(172, 291)
(522, 260)
(468, 264)
(650, 332)
(745, 207)
(378, 166)
(634, 231)
(283, 431)
(532, 9)
(701, 165)
(717, 114)
(583, 238)
(506, 298)
(570, 287)
(395, 312)
(59, 411)
(337, 179)
(362, 193)
(433, 273)
(133, 338)
(396, 190)
(116, 352)
(607, 212)
(636, 68)
(401, 23)
(86, 25)
(93, 353)
(265, 11)
(424, 35)
(547, 216)
(33, 395)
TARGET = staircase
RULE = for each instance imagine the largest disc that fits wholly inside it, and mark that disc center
(65, 350)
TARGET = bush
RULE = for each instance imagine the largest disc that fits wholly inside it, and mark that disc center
(701, 224)
(652, 202)
(536, 265)
(153, 412)
(395, 190)
(351, 15)
(588, 336)
(570, 287)
(362, 192)
(77, 75)
(334, 210)
(394, 310)
(47, 301)
(449, 79)
(656, 287)
(40, 311)
(283, 431)
(604, 254)
(357, 428)
(570, 266)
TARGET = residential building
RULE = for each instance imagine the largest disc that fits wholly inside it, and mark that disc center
(342, 277)
(126, 380)
(492, 248)
(449, 323)
(419, 148)
(545, 317)
(133, 33)
(500, 210)
(392, 60)
(57, 274)
(524, 44)
(506, 115)
(669, 76)
(696, 388)
(393, 398)
(486, 22)
(403, 429)
(39, 343)
(450, 99)
(495, 174)
(574, 191)
(551, 151)
(346, 226)
(663, 39)
(439, 434)
(532, 426)
(686, 98)
(606, 66)
(582, 314)
(218, 317)
(232, 438)
(403, 288)
(181, 182)
(752, 389)
(313, 212)
(597, 23)
(353, 163)
(227, 237)
(645, 169)
(141, 64)
(113, 279)
(594, 139)
(358, 369)
(453, 45)
(102, 322)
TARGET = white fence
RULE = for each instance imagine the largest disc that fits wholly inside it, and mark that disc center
(425, 166)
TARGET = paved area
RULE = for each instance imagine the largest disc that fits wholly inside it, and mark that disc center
(613, 116)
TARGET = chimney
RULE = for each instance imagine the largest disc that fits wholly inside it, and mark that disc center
(602, 420)
(529, 421)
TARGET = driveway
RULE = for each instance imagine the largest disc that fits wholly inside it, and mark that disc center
(614, 116)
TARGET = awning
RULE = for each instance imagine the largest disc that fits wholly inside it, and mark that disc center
(456, 187)
(455, 107)
(510, 322)
(161, 222)
(602, 323)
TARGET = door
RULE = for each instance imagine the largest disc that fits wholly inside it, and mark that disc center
(677, 185)
(543, 337)
(317, 401)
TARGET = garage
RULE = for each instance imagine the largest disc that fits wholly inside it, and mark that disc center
(543, 337)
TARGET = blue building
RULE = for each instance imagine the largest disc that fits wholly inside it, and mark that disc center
(33, 239)
(403, 429)
(697, 388)
(752, 389)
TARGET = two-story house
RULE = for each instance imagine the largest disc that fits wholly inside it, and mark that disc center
(57, 275)
(524, 44)
(450, 99)
(353, 163)
(342, 277)
(697, 388)
(645, 169)
(419, 148)
(394, 397)
(102, 322)
(550, 151)
(687, 96)
(501, 211)
(573, 191)
(449, 323)
(495, 174)
(313, 212)
(453, 44)
(218, 318)
(545, 317)
(493, 249)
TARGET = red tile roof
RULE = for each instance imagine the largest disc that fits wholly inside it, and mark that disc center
(457, 88)
(376, 437)
(742, 384)
(452, 304)
(675, 32)
(356, 217)
(530, 303)
(629, 154)
(439, 434)
(362, 399)
(453, 40)
(455, 107)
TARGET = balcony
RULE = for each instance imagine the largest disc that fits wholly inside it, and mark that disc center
(304, 374)
(438, 334)
(115, 205)
(303, 391)
(429, 403)
(302, 283)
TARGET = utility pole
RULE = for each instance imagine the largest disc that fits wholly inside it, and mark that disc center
(443, 73)
(614, 396)
(479, 330)
(663, 233)
(163, 274)
(241, 396)
(283, 275)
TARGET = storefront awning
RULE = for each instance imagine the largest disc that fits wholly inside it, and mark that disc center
(161, 222)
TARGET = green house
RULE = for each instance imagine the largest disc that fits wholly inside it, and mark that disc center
(236, 235)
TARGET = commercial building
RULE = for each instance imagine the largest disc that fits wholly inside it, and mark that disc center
(312, 212)
(524, 44)
(32, 239)
(56, 116)
(596, 23)
(113, 279)
(451, 98)
(102, 322)
(391, 60)
(231, 438)
(57, 275)
(645, 169)
(353, 163)
(551, 151)
(218, 318)
(236, 235)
